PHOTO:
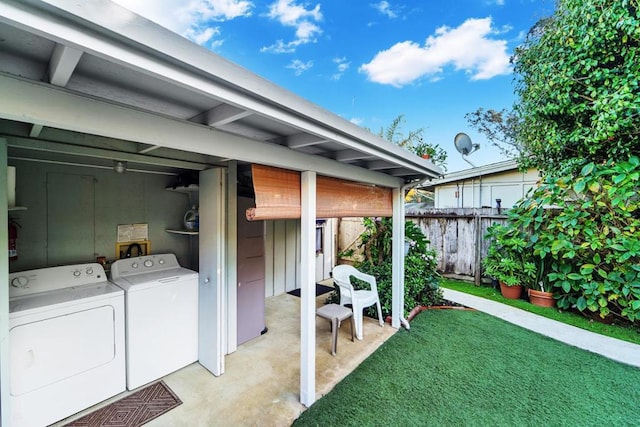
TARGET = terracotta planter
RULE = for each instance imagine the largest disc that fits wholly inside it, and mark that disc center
(511, 292)
(543, 299)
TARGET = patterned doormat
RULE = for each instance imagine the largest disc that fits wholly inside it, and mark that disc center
(133, 410)
(320, 290)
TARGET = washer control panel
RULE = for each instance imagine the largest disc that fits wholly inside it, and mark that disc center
(54, 278)
(143, 264)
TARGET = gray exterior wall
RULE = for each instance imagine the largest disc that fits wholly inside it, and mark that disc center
(72, 213)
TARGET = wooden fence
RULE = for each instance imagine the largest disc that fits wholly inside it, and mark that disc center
(457, 236)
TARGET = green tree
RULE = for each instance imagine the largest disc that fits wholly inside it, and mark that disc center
(414, 142)
(499, 127)
(578, 84)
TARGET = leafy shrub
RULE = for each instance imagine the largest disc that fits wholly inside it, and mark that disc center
(585, 233)
(509, 258)
(421, 281)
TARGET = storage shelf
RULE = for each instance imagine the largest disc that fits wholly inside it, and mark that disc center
(17, 208)
(185, 232)
(193, 188)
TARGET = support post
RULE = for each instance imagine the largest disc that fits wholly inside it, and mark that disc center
(5, 418)
(397, 266)
(212, 313)
(307, 291)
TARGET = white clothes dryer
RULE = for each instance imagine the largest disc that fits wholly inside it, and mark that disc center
(66, 342)
(161, 315)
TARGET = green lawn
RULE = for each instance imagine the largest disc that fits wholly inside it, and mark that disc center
(625, 333)
(466, 368)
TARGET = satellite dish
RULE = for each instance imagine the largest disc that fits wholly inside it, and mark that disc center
(463, 144)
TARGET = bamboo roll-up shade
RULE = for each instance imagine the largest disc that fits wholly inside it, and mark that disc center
(277, 193)
(338, 198)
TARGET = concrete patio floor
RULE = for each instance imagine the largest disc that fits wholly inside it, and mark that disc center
(261, 383)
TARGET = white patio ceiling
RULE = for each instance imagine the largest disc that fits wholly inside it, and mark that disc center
(66, 53)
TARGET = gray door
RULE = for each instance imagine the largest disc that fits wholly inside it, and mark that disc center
(251, 320)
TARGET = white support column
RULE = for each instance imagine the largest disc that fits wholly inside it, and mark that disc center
(212, 274)
(397, 266)
(4, 291)
(307, 291)
(231, 340)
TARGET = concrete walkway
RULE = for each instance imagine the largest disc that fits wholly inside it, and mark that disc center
(615, 349)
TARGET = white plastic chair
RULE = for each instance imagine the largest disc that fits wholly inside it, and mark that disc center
(359, 299)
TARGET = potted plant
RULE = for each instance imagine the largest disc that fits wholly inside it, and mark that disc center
(538, 292)
(509, 260)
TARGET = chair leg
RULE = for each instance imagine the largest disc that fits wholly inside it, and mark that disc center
(357, 317)
(379, 313)
(351, 324)
(334, 336)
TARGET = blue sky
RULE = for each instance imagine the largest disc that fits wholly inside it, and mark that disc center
(370, 61)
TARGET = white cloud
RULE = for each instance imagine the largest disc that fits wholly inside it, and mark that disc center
(467, 48)
(220, 10)
(385, 8)
(191, 19)
(290, 14)
(300, 67)
(202, 35)
(342, 65)
(357, 121)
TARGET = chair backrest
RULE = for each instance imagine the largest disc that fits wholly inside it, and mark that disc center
(342, 276)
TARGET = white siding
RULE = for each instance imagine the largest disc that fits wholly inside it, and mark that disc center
(482, 191)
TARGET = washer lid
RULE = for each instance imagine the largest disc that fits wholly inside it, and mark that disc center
(142, 281)
(64, 297)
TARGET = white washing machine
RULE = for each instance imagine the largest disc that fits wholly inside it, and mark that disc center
(66, 342)
(161, 300)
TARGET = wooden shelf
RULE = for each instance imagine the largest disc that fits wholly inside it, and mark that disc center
(185, 232)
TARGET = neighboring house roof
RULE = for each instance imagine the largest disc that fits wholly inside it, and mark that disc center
(462, 175)
(60, 57)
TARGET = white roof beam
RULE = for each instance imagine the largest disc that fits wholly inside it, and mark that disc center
(100, 153)
(148, 149)
(378, 165)
(35, 131)
(301, 140)
(352, 155)
(221, 115)
(62, 64)
(248, 131)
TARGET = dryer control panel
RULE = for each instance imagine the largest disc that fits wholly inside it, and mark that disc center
(54, 278)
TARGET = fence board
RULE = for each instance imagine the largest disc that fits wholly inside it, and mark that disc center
(457, 236)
